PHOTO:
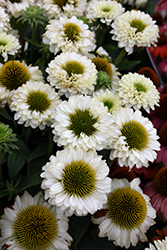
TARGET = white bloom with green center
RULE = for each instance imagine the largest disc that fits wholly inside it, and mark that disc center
(158, 245)
(69, 34)
(59, 8)
(17, 8)
(72, 73)
(129, 214)
(134, 140)
(9, 45)
(34, 104)
(83, 122)
(14, 74)
(32, 223)
(106, 11)
(138, 91)
(109, 98)
(134, 28)
(76, 181)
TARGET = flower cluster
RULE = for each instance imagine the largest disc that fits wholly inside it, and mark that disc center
(83, 150)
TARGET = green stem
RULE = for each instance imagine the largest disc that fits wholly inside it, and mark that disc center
(2, 185)
(101, 32)
(33, 40)
(120, 56)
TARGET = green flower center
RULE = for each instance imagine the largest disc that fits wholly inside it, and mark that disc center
(3, 43)
(136, 135)
(62, 3)
(74, 67)
(138, 24)
(102, 65)
(140, 87)
(108, 103)
(72, 31)
(38, 101)
(79, 179)
(82, 121)
(35, 228)
(106, 10)
(13, 74)
(160, 181)
(126, 208)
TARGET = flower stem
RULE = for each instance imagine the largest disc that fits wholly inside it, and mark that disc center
(120, 56)
(33, 40)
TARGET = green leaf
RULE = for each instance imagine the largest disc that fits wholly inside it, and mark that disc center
(77, 228)
(40, 150)
(33, 180)
(5, 114)
(23, 149)
(15, 163)
(123, 65)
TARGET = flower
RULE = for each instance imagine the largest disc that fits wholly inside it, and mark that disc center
(109, 98)
(34, 104)
(14, 74)
(162, 154)
(4, 20)
(9, 45)
(134, 139)
(106, 11)
(157, 191)
(138, 91)
(76, 181)
(69, 35)
(24, 225)
(102, 64)
(72, 73)
(134, 28)
(150, 73)
(158, 245)
(7, 138)
(17, 8)
(69, 8)
(124, 200)
(83, 122)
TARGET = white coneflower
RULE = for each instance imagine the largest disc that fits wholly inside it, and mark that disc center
(72, 73)
(134, 140)
(32, 223)
(34, 104)
(69, 35)
(76, 181)
(134, 28)
(128, 214)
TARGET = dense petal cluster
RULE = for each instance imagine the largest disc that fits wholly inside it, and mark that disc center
(69, 34)
(72, 73)
(134, 28)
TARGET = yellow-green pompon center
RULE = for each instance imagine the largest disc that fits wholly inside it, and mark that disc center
(82, 121)
(35, 228)
(136, 135)
(140, 87)
(102, 65)
(13, 74)
(138, 24)
(126, 208)
(72, 31)
(38, 101)
(79, 179)
(74, 67)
